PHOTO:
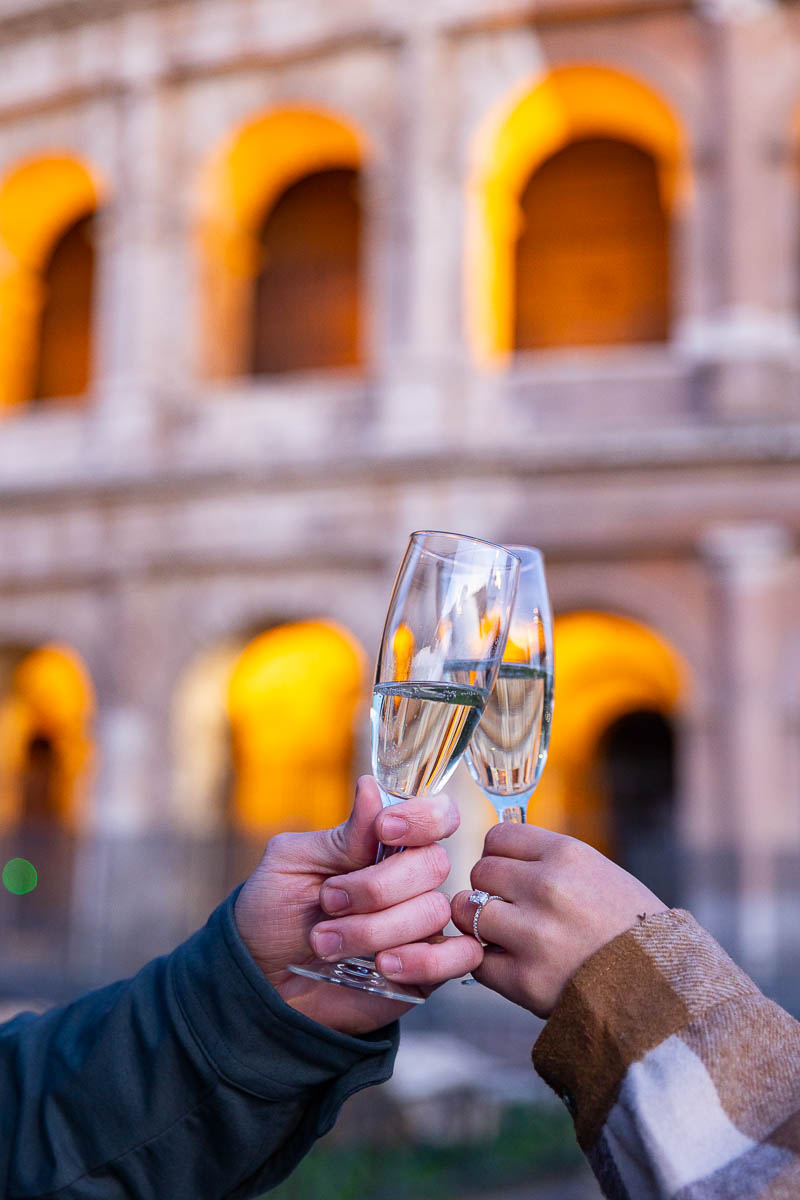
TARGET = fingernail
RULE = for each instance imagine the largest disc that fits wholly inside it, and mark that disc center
(335, 899)
(326, 944)
(393, 827)
(391, 964)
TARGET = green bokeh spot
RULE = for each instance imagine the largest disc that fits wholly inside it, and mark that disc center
(19, 876)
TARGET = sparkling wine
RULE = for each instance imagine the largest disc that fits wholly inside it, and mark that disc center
(419, 732)
(508, 749)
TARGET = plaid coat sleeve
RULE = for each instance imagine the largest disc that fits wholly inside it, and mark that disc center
(682, 1078)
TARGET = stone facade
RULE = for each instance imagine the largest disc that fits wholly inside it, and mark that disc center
(662, 481)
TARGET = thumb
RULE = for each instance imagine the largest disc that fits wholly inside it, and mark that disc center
(355, 842)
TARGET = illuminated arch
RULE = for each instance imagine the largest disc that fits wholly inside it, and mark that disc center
(606, 667)
(239, 188)
(201, 750)
(50, 701)
(292, 701)
(569, 103)
(40, 200)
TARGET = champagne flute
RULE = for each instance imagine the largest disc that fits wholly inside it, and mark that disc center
(508, 750)
(441, 648)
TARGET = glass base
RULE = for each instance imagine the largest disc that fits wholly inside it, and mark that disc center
(362, 974)
(514, 814)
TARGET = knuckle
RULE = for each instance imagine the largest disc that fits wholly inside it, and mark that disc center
(437, 862)
(281, 845)
(568, 853)
(458, 908)
(548, 888)
(436, 912)
(416, 958)
(427, 828)
(493, 840)
(375, 895)
(440, 815)
(367, 932)
(479, 874)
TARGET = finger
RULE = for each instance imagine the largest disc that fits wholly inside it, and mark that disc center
(432, 962)
(500, 972)
(354, 843)
(382, 885)
(411, 921)
(506, 877)
(418, 822)
(527, 842)
(499, 922)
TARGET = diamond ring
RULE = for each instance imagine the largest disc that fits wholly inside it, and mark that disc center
(481, 899)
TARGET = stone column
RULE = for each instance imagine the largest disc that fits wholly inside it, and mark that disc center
(420, 367)
(699, 817)
(748, 563)
(134, 313)
(126, 896)
(741, 339)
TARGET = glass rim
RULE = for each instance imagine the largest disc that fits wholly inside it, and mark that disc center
(533, 554)
(463, 537)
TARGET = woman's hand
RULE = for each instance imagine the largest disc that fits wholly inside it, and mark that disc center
(561, 901)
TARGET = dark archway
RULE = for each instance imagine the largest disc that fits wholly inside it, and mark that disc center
(637, 764)
(65, 337)
(592, 259)
(38, 783)
(307, 305)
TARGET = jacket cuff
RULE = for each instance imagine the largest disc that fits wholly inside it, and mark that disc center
(252, 1038)
(641, 988)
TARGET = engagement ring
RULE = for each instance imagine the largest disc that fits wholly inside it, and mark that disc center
(481, 899)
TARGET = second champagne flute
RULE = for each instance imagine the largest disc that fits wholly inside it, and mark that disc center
(441, 648)
(508, 750)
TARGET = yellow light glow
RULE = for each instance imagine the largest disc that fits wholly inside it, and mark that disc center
(402, 651)
(489, 627)
(241, 183)
(540, 118)
(39, 200)
(51, 696)
(605, 666)
(292, 702)
(522, 645)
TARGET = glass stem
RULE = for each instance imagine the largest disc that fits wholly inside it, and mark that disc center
(513, 815)
(387, 851)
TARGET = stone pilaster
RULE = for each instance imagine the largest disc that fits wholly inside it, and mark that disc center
(415, 391)
(745, 333)
(748, 563)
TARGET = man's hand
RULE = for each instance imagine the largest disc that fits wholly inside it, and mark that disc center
(562, 901)
(321, 895)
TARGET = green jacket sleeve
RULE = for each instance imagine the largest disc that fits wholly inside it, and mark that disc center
(193, 1079)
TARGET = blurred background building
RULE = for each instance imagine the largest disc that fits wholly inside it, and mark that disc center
(282, 281)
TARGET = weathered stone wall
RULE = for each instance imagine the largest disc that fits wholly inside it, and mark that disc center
(662, 482)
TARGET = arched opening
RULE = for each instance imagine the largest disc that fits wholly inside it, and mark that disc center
(292, 701)
(636, 766)
(592, 260)
(307, 293)
(280, 232)
(263, 734)
(39, 782)
(610, 777)
(65, 338)
(47, 270)
(572, 106)
(46, 748)
(46, 753)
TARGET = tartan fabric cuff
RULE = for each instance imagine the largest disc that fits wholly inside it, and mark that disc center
(635, 992)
